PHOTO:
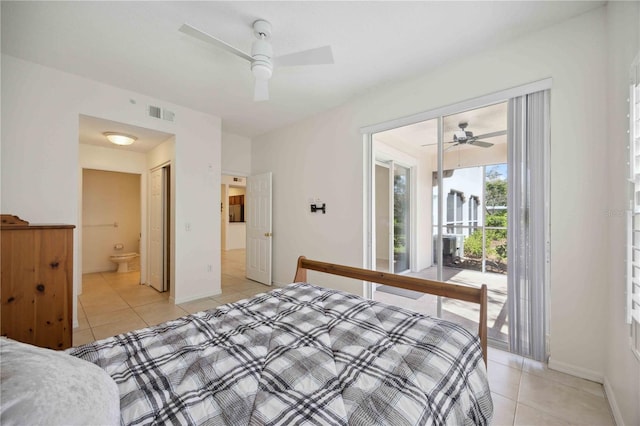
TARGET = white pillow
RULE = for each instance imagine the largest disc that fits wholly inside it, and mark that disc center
(42, 386)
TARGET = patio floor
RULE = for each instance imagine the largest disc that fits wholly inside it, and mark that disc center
(464, 313)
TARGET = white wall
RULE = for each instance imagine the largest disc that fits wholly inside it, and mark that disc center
(40, 119)
(622, 369)
(323, 155)
(236, 154)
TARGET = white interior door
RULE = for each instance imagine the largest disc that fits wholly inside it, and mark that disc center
(156, 234)
(258, 216)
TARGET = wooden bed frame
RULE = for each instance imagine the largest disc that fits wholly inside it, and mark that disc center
(438, 288)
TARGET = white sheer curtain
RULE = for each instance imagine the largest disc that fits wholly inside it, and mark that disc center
(528, 128)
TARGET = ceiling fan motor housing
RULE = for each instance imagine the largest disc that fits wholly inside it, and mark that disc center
(261, 52)
(262, 29)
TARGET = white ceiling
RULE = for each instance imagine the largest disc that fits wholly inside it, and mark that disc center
(137, 46)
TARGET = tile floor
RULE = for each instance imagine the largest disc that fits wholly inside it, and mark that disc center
(114, 303)
(524, 392)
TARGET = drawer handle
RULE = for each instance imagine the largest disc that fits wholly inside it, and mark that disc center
(40, 288)
(54, 264)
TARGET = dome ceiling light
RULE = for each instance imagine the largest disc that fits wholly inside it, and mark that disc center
(120, 138)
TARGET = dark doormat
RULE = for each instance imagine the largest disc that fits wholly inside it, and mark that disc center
(400, 292)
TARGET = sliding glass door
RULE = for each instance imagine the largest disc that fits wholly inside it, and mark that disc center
(477, 193)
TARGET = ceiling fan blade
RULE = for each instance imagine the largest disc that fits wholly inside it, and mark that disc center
(207, 38)
(481, 144)
(436, 143)
(261, 90)
(318, 56)
(451, 147)
(491, 135)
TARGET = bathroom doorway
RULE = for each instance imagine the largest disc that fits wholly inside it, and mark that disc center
(150, 149)
(111, 221)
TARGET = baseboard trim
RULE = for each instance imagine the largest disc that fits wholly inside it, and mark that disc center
(613, 405)
(583, 373)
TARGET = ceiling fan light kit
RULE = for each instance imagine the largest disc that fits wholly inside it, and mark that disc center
(261, 58)
(465, 137)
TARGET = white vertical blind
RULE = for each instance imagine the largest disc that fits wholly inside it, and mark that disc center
(633, 217)
(528, 127)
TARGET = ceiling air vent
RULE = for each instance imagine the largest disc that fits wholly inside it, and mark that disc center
(168, 115)
(155, 112)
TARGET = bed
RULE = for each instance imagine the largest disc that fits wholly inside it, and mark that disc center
(302, 354)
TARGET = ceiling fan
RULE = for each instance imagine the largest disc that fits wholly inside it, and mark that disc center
(466, 137)
(261, 57)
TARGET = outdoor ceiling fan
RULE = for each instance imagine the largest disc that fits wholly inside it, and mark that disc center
(466, 137)
(261, 57)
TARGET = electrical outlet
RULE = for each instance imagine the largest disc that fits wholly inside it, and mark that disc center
(187, 226)
(209, 268)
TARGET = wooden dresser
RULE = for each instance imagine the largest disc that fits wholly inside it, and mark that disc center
(37, 282)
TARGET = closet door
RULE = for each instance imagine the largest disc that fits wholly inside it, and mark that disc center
(157, 227)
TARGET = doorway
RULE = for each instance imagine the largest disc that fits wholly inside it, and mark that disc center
(151, 149)
(460, 192)
(453, 141)
(233, 216)
(111, 218)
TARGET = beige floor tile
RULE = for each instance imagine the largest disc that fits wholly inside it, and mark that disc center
(94, 285)
(156, 313)
(505, 358)
(504, 380)
(565, 402)
(97, 292)
(127, 314)
(250, 293)
(82, 337)
(200, 305)
(119, 327)
(528, 416)
(541, 370)
(143, 296)
(246, 286)
(88, 279)
(108, 305)
(504, 410)
(83, 324)
(81, 313)
(230, 297)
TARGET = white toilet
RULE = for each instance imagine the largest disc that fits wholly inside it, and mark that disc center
(123, 260)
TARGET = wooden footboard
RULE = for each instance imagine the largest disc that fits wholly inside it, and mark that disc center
(438, 288)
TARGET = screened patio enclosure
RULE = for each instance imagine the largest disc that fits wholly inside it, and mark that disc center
(470, 237)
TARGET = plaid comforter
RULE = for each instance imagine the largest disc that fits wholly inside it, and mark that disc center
(298, 355)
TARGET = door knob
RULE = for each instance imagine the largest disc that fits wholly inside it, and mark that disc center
(268, 234)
